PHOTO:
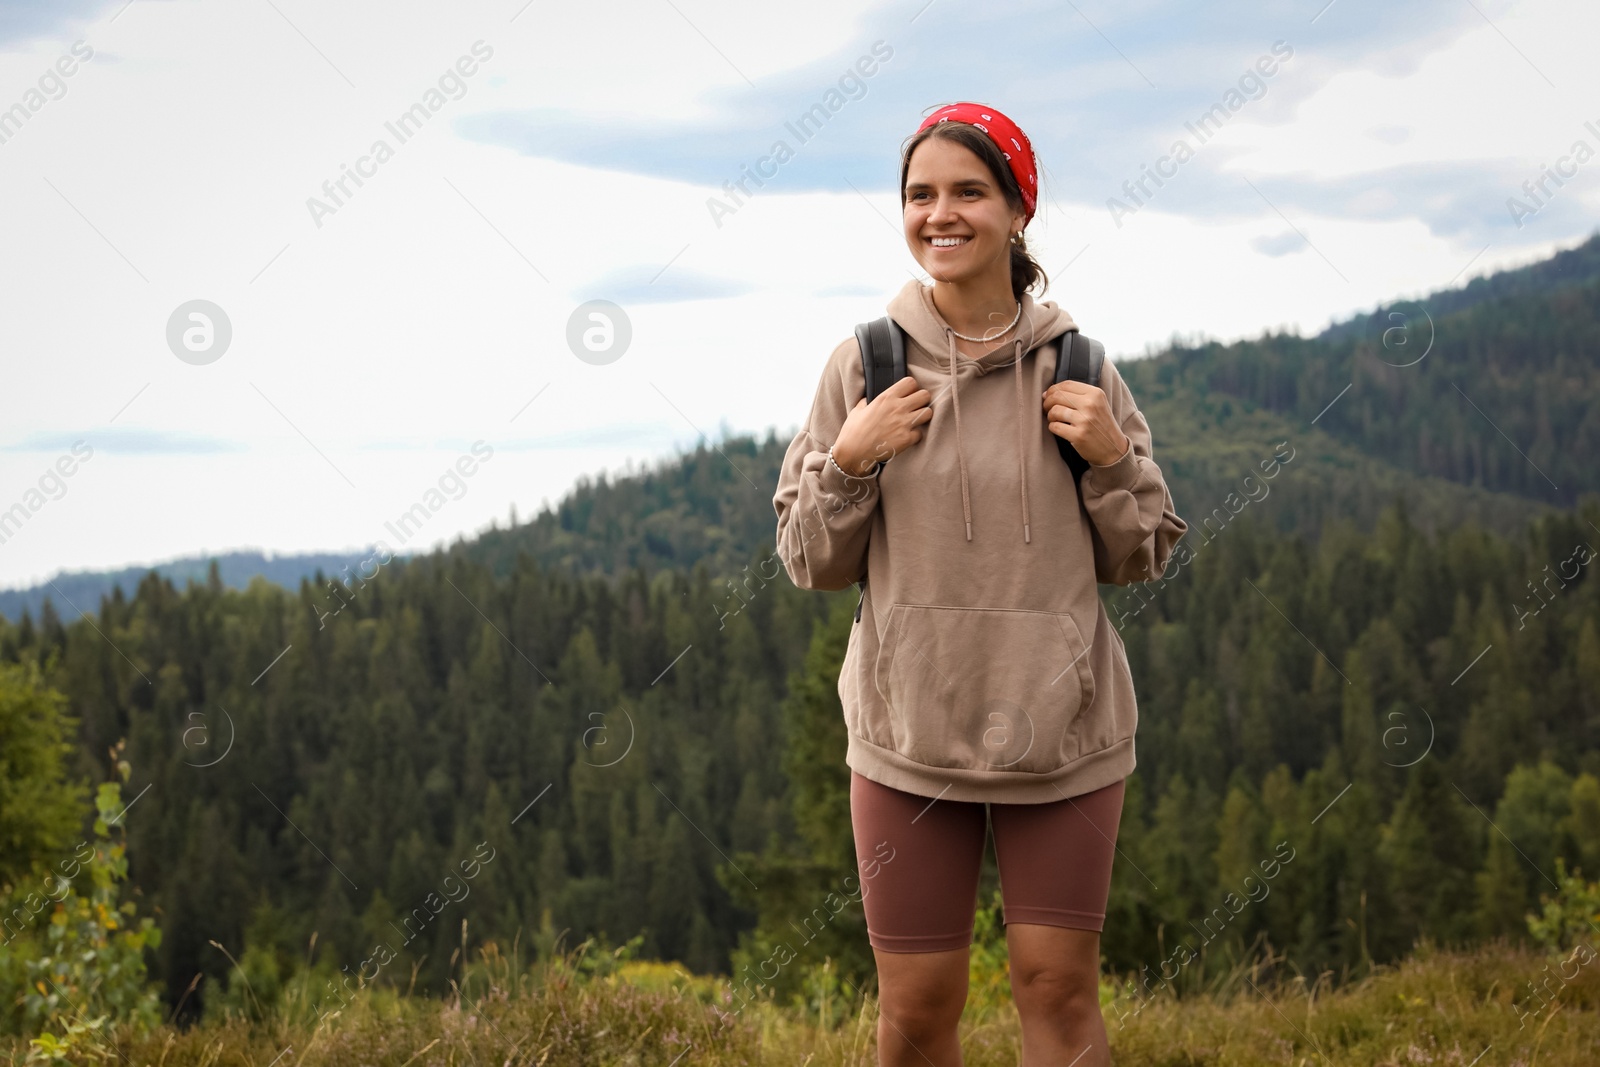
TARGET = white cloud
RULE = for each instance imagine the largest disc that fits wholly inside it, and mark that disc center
(431, 309)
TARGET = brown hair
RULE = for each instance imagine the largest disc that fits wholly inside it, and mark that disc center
(1025, 271)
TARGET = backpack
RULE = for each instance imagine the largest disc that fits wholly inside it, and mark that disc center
(883, 362)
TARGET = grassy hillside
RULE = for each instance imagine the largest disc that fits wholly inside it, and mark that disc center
(1436, 1008)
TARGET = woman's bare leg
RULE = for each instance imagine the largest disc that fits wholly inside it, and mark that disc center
(1055, 981)
(920, 999)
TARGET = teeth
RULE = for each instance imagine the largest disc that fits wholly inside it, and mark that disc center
(948, 242)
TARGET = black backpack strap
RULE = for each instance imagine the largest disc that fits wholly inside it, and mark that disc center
(1087, 358)
(1079, 359)
(883, 354)
(883, 362)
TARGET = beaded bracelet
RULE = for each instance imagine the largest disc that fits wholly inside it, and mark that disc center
(876, 470)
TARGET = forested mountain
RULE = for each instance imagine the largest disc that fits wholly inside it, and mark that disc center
(1479, 403)
(1500, 395)
(622, 752)
(1573, 266)
(1370, 655)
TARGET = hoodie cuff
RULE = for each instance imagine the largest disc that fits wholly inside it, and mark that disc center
(1121, 473)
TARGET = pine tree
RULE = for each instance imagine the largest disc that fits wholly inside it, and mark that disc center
(1502, 888)
(1178, 851)
(1582, 825)
(1429, 849)
(1532, 812)
(1241, 846)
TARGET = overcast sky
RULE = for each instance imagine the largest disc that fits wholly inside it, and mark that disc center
(558, 154)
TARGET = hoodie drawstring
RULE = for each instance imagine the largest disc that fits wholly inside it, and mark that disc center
(955, 393)
(1022, 452)
(961, 457)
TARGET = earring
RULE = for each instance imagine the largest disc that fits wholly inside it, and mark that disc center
(1016, 238)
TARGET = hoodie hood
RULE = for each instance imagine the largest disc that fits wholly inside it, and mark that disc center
(934, 345)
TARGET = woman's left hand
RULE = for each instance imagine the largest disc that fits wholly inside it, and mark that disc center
(1082, 414)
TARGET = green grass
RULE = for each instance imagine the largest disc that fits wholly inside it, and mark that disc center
(1435, 1008)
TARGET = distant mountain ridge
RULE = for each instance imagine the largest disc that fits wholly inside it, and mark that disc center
(1573, 266)
(76, 591)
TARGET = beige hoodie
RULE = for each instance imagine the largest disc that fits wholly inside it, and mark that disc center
(984, 667)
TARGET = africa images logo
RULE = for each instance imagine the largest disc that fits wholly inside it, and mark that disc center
(406, 126)
(852, 85)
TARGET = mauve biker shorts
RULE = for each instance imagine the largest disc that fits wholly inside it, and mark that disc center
(919, 861)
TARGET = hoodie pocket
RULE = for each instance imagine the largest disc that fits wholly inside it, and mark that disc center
(983, 688)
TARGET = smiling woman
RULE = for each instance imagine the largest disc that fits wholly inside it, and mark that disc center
(983, 680)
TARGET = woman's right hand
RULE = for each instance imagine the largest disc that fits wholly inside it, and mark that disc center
(878, 431)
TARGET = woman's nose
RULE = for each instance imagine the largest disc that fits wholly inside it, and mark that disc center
(941, 210)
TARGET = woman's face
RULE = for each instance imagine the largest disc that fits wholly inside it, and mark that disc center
(951, 194)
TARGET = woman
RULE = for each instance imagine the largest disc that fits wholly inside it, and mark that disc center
(984, 678)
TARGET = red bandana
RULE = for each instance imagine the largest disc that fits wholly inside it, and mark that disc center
(1006, 135)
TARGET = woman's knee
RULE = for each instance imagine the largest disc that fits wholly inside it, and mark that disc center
(923, 992)
(1056, 988)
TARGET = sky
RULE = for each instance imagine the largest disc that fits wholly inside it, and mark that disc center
(214, 337)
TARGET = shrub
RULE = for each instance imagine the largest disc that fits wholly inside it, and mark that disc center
(1570, 917)
(85, 970)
